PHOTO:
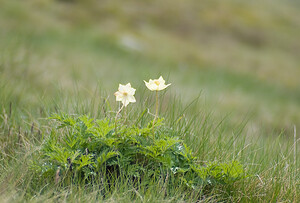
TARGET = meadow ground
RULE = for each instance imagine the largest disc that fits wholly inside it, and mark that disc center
(234, 69)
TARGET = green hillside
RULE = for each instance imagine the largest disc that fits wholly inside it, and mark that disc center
(241, 59)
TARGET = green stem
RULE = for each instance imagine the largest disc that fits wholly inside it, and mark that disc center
(125, 116)
(117, 118)
(156, 114)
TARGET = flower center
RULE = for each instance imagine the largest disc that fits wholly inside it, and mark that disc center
(125, 94)
(157, 82)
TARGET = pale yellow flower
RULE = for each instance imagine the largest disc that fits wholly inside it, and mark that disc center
(157, 84)
(125, 94)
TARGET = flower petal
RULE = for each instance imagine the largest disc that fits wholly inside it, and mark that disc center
(161, 80)
(131, 91)
(157, 84)
(125, 102)
(119, 96)
(128, 85)
(163, 86)
(149, 85)
(122, 88)
(131, 98)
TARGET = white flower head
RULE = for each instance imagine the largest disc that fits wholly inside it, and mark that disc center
(157, 84)
(125, 94)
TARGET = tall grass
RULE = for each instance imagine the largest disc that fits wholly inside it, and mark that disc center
(273, 174)
(69, 57)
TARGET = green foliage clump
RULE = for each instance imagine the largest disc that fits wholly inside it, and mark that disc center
(83, 150)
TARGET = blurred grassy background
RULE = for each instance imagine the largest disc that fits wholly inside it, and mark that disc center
(242, 57)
